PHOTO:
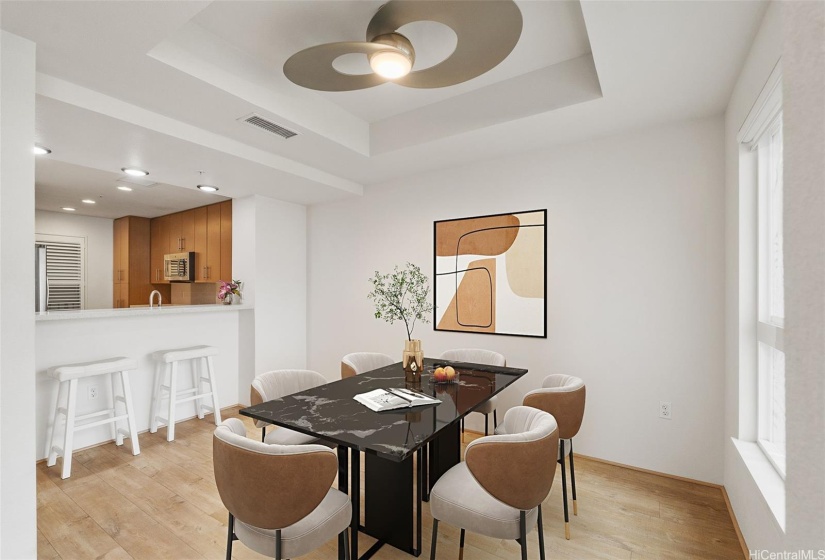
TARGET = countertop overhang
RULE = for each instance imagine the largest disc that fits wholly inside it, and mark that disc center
(137, 312)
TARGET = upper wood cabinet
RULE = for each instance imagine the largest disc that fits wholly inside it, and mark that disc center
(201, 227)
(181, 231)
(160, 228)
(226, 240)
(207, 231)
(131, 261)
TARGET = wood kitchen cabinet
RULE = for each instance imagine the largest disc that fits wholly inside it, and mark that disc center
(173, 233)
(181, 231)
(213, 234)
(159, 233)
(207, 231)
(226, 241)
(131, 261)
(213, 243)
(201, 225)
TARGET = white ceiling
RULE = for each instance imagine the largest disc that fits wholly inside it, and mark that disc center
(269, 34)
(162, 84)
(60, 184)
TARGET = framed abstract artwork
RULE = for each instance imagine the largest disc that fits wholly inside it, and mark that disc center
(491, 274)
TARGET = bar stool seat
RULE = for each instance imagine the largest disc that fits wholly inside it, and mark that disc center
(187, 353)
(167, 365)
(68, 376)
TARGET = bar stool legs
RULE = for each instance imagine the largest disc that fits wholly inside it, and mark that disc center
(213, 387)
(203, 373)
(130, 414)
(154, 411)
(170, 417)
(68, 438)
(67, 377)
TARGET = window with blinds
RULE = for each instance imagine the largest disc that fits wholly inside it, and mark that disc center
(65, 268)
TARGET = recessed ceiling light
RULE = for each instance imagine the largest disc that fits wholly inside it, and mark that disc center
(124, 188)
(134, 172)
(40, 150)
(87, 201)
(68, 209)
(207, 188)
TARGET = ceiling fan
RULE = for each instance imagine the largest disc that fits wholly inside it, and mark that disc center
(487, 32)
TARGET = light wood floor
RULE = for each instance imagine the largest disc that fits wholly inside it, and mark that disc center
(163, 504)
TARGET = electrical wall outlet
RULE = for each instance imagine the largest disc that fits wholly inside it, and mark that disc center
(665, 410)
(92, 392)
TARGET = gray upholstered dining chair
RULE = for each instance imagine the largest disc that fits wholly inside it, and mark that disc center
(498, 489)
(280, 500)
(277, 384)
(359, 362)
(479, 356)
(563, 396)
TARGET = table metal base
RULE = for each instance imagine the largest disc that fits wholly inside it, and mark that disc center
(392, 503)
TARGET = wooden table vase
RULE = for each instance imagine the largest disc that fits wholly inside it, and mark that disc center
(413, 361)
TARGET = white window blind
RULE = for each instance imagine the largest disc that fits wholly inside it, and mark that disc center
(65, 268)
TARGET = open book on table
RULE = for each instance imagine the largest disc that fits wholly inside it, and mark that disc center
(380, 400)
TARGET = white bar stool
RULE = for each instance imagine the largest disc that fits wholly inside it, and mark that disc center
(68, 376)
(168, 360)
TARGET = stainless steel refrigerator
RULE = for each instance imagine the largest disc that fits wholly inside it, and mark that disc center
(41, 284)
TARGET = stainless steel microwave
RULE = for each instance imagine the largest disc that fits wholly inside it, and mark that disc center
(179, 267)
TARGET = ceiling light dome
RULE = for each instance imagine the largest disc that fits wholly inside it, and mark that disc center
(134, 171)
(394, 62)
(39, 150)
(208, 188)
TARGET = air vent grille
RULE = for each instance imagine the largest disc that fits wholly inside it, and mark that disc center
(269, 126)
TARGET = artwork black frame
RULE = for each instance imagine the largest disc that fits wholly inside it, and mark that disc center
(544, 270)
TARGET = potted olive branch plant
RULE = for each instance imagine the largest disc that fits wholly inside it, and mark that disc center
(403, 295)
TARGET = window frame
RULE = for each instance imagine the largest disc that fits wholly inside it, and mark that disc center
(757, 331)
(770, 331)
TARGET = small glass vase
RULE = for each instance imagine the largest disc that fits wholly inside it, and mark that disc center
(227, 299)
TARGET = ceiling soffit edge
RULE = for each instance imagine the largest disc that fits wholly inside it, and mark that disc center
(84, 98)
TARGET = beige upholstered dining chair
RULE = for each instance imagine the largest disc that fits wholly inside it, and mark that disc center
(279, 497)
(498, 490)
(277, 384)
(359, 362)
(479, 356)
(563, 396)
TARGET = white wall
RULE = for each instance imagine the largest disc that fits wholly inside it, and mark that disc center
(98, 233)
(269, 246)
(804, 129)
(760, 528)
(84, 340)
(635, 282)
(18, 522)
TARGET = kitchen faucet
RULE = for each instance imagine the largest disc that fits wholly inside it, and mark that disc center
(152, 299)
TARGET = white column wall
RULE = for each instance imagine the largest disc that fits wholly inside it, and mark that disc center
(18, 521)
(804, 129)
(270, 257)
(759, 527)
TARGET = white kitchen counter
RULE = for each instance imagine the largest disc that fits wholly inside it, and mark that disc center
(68, 337)
(136, 312)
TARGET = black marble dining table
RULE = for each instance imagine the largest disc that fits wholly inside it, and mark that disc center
(394, 483)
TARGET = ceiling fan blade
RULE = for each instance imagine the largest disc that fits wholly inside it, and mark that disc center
(312, 68)
(487, 31)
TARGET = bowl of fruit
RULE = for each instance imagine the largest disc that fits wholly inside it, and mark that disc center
(443, 375)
